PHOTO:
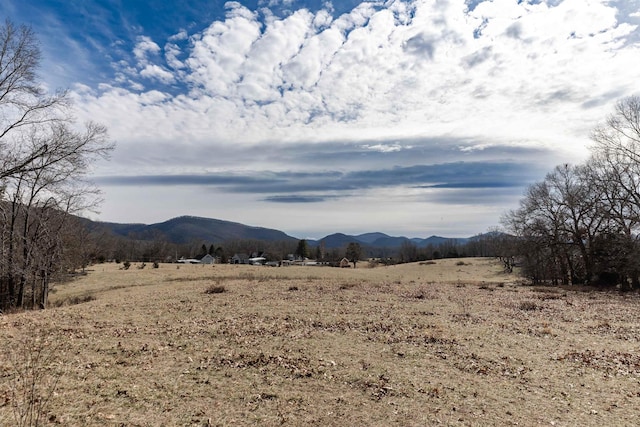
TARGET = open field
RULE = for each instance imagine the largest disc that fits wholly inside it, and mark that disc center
(408, 345)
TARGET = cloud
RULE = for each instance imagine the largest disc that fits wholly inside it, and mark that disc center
(363, 73)
(144, 47)
(220, 50)
(466, 197)
(460, 175)
(435, 102)
(384, 148)
(179, 180)
(476, 184)
(294, 199)
(172, 53)
(421, 45)
(158, 73)
(477, 57)
(180, 35)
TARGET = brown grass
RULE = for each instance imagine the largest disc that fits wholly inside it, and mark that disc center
(407, 345)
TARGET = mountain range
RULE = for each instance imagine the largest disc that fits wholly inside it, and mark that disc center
(187, 229)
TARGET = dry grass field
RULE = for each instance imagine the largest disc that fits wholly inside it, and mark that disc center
(408, 345)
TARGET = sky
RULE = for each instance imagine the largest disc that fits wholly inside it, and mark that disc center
(412, 118)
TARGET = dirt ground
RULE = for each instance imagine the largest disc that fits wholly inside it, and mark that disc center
(457, 342)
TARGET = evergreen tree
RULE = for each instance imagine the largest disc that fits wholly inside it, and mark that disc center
(353, 253)
(303, 249)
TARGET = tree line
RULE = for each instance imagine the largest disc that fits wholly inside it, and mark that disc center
(101, 245)
(580, 224)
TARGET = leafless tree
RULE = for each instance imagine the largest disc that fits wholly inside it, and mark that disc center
(620, 133)
(24, 103)
(615, 169)
(44, 163)
(537, 223)
(582, 223)
(559, 220)
(41, 199)
(408, 251)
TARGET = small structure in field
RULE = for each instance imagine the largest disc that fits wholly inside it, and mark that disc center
(240, 259)
(207, 259)
(260, 260)
(344, 263)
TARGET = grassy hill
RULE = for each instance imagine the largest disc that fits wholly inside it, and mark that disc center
(452, 342)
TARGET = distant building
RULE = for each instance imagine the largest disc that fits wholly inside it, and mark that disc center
(240, 259)
(207, 259)
(257, 260)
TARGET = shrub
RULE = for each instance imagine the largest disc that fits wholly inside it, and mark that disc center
(215, 289)
(126, 265)
(528, 306)
(78, 299)
(33, 372)
(246, 275)
(422, 293)
(156, 264)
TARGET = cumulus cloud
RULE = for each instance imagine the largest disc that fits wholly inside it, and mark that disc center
(172, 53)
(144, 47)
(405, 69)
(180, 35)
(158, 73)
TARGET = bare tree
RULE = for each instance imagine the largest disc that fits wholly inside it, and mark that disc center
(44, 162)
(615, 169)
(621, 131)
(41, 199)
(23, 101)
(558, 222)
(408, 251)
(536, 223)
(582, 222)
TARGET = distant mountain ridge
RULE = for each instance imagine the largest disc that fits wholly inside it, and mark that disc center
(381, 240)
(186, 229)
